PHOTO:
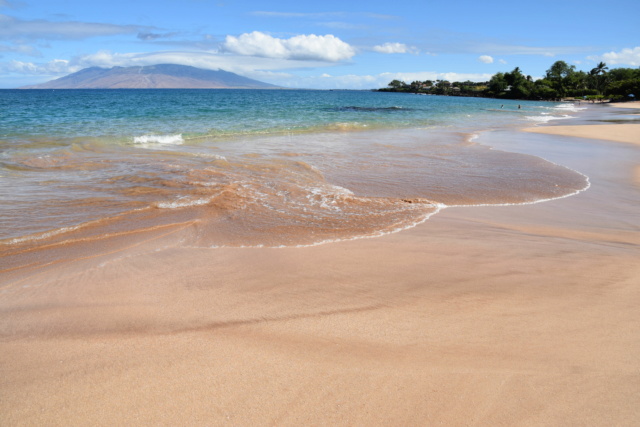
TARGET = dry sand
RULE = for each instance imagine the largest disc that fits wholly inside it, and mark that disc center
(629, 133)
(523, 315)
(632, 104)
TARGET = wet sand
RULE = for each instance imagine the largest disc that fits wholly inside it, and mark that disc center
(517, 315)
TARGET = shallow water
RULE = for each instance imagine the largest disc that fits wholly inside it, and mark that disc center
(256, 168)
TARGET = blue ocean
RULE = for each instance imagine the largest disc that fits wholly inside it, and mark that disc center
(256, 167)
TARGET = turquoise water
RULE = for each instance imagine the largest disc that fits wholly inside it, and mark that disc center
(257, 167)
(125, 114)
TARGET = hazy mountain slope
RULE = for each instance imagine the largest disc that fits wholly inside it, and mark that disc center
(164, 76)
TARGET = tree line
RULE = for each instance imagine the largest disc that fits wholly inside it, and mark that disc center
(560, 81)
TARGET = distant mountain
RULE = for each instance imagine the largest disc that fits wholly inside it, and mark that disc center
(164, 76)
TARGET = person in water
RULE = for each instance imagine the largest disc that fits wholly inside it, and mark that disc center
(519, 107)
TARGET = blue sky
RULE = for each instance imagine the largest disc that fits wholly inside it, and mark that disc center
(325, 44)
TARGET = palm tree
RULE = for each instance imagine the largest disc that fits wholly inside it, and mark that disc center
(601, 68)
(599, 75)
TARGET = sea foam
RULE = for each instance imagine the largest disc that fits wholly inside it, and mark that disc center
(159, 139)
(572, 107)
(546, 118)
(184, 202)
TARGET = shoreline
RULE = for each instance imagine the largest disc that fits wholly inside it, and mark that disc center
(497, 315)
(79, 232)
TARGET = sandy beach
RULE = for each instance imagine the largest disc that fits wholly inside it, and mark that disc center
(629, 133)
(632, 104)
(498, 316)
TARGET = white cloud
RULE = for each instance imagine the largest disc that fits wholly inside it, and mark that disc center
(58, 66)
(21, 67)
(208, 60)
(385, 78)
(22, 49)
(353, 81)
(486, 59)
(463, 77)
(270, 70)
(54, 67)
(626, 56)
(326, 81)
(303, 47)
(395, 48)
(502, 61)
(12, 28)
(107, 59)
(506, 49)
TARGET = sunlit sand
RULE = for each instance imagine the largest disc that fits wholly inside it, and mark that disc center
(517, 315)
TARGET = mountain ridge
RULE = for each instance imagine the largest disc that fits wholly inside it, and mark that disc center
(160, 76)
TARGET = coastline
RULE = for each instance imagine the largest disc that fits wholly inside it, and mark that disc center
(514, 315)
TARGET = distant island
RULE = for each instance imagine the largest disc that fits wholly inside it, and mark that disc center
(560, 81)
(163, 76)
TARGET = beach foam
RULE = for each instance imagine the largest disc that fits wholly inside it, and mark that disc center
(183, 202)
(159, 139)
(547, 118)
(569, 106)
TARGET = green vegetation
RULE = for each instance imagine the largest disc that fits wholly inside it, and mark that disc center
(561, 80)
(438, 87)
